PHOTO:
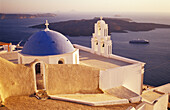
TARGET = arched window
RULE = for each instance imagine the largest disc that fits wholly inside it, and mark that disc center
(61, 61)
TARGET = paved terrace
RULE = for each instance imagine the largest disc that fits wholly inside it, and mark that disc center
(93, 60)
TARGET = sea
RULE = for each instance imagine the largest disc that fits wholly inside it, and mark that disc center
(156, 54)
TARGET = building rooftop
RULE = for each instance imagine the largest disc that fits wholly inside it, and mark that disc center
(93, 60)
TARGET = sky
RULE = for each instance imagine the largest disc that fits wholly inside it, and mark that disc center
(51, 6)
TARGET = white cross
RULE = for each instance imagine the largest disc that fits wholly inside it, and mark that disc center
(101, 18)
(46, 24)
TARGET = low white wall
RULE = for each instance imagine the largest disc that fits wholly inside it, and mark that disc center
(110, 78)
(82, 48)
(162, 103)
(128, 76)
(133, 78)
(125, 59)
(112, 56)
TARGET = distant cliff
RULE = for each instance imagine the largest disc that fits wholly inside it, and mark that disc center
(86, 27)
(23, 16)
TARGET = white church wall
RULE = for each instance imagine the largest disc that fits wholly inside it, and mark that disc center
(76, 57)
(54, 59)
(133, 78)
(69, 58)
(27, 59)
(110, 78)
(66, 57)
(128, 76)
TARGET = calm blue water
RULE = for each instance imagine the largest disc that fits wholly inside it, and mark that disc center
(156, 54)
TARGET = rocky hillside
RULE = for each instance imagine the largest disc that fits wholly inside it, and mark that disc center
(85, 27)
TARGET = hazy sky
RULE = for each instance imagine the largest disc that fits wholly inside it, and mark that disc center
(29, 6)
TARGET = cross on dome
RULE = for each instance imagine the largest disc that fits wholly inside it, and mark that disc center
(46, 24)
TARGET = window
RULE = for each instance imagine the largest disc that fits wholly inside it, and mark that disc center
(37, 68)
(61, 61)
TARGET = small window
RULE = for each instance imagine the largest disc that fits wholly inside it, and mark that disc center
(37, 68)
(61, 61)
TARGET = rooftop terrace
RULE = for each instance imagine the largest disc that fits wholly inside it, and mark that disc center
(100, 62)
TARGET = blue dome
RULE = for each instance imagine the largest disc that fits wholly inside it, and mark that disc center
(47, 43)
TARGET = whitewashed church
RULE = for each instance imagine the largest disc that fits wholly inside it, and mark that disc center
(69, 71)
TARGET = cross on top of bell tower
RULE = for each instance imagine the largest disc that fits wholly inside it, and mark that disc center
(101, 18)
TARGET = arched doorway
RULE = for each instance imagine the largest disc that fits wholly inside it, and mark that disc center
(40, 76)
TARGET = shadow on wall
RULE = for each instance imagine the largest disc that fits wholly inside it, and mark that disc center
(18, 79)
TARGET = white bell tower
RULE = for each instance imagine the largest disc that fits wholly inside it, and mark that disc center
(101, 43)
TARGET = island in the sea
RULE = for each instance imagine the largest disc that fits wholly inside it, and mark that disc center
(24, 16)
(84, 27)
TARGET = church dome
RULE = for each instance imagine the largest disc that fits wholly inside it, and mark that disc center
(47, 42)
